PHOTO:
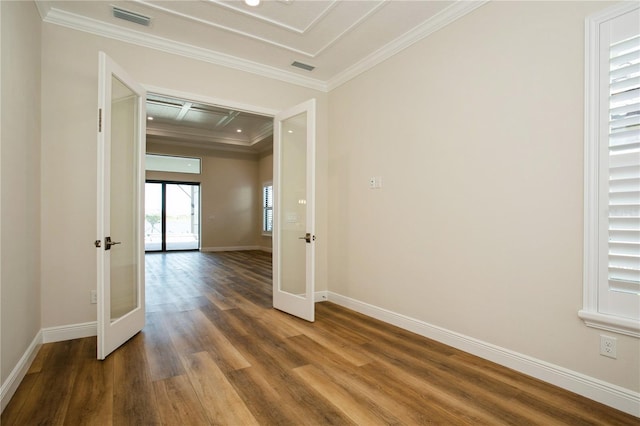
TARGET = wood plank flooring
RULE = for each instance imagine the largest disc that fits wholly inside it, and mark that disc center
(214, 352)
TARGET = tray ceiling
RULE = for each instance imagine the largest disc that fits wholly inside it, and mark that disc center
(182, 122)
(339, 39)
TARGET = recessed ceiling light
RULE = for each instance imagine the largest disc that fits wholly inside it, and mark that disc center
(239, 130)
(290, 131)
(252, 3)
(149, 118)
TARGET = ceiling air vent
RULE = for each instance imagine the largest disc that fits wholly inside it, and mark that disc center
(303, 66)
(136, 18)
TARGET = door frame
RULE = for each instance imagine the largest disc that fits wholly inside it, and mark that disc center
(226, 103)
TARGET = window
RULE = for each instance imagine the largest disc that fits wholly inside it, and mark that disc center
(267, 208)
(170, 163)
(612, 171)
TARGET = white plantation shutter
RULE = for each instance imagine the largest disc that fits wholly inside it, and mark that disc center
(612, 170)
(267, 208)
(624, 166)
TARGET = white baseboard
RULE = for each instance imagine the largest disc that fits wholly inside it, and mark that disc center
(267, 249)
(10, 385)
(230, 248)
(606, 393)
(69, 332)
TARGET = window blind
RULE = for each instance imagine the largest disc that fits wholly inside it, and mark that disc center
(624, 166)
(267, 198)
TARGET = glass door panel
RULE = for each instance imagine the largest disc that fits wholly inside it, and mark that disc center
(293, 203)
(172, 216)
(153, 217)
(182, 217)
(124, 195)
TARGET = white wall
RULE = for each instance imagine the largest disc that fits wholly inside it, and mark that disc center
(477, 132)
(20, 180)
(69, 103)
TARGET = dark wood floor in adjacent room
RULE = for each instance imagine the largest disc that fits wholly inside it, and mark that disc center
(214, 352)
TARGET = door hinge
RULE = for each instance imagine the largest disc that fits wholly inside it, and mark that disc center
(97, 243)
(99, 119)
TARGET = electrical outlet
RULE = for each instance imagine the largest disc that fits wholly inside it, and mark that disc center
(93, 297)
(608, 346)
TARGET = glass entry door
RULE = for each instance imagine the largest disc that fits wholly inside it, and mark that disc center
(172, 216)
(153, 216)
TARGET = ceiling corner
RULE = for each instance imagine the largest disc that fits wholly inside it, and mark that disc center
(43, 8)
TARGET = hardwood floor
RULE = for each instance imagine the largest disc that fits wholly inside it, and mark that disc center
(214, 352)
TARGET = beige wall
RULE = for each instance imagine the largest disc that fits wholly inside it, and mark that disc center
(265, 174)
(477, 132)
(69, 99)
(20, 181)
(229, 190)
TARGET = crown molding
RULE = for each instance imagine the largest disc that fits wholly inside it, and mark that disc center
(186, 133)
(263, 134)
(224, 28)
(104, 29)
(350, 28)
(307, 53)
(276, 23)
(438, 21)
(212, 136)
(209, 146)
(43, 9)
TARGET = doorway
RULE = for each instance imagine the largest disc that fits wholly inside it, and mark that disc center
(220, 128)
(172, 216)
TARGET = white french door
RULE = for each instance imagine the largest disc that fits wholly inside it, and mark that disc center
(120, 191)
(294, 200)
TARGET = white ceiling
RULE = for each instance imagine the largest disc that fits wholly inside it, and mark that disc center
(339, 38)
